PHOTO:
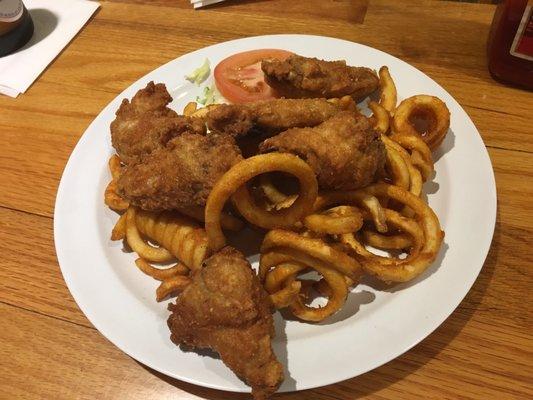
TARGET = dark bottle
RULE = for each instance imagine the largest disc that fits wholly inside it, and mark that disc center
(510, 45)
(16, 26)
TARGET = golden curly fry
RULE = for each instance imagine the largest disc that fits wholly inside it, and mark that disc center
(171, 286)
(190, 108)
(161, 274)
(415, 178)
(335, 221)
(270, 190)
(425, 167)
(314, 248)
(432, 110)
(420, 153)
(397, 166)
(290, 261)
(183, 238)
(388, 97)
(278, 277)
(202, 112)
(119, 230)
(115, 166)
(399, 241)
(425, 246)
(137, 244)
(381, 117)
(370, 203)
(339, 292)
(233, 183)
(112, 199)
(227, 221)
(287, 295)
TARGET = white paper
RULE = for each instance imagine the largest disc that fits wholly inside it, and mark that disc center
(202, 3)
(56, 23)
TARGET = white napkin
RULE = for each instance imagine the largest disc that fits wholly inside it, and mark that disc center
(202, 3)
(56, 23)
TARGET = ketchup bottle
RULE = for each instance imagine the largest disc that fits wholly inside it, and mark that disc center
(510, 45)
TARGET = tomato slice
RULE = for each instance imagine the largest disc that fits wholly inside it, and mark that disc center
(239, 77)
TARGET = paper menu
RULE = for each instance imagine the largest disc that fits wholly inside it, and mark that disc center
(56, 23)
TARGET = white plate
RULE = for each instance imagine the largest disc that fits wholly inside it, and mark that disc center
(373, 327)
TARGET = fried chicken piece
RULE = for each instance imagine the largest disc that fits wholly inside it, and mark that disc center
(179, 175)
(226, 309)
(345, 152)
(273, 116)
(146, 123)
(299, 77)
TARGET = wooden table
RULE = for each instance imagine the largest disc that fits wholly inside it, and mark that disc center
(48, 349)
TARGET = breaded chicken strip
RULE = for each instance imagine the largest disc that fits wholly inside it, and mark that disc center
(273, 116)
(300, 77)
(146, 123)
(179, 175)
(345, 152)
(226, 309)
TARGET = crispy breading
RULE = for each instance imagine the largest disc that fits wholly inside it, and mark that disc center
(272, 116)
(299, 77)
(179, 175)
(146, 123)
(345, 152)
(226, 309)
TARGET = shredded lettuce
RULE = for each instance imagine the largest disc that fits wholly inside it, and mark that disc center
(200, 74)
(208, 97)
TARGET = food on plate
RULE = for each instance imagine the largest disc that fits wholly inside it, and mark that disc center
(415, 177)
(178, 235)
(179, 175)
(424, 230)
(171, 286)
(322, 181)
(286, 254)
(335, 221)
(239, 77)
(272, 194)
(161, 274)
(421, 156)
(366, 202)
(273, 116)
(297, 77)
(111, 196)
(112, 199)
(119, 230)
(233, 184)
(380, 117)
(400, 241)
(200, 74)
(137, 244)
(209, 96)
(190, 108)
(388, 95)
(345, 152)
(227, 220)
(226, 309)
(146, 124)
(425, 110)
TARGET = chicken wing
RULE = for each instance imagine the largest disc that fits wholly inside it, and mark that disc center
(299, 77)
(179, 175)
(146, 123)
(274, 116)
(345, 152)
(226, 309)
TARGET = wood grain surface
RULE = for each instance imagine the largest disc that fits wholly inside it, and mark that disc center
(48, 349)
